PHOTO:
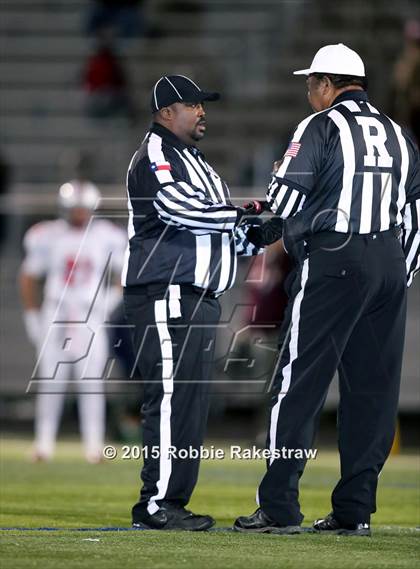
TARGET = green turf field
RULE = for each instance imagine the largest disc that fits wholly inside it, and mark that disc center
(69, 493)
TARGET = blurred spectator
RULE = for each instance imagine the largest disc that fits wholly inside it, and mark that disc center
(105, 84)
(406, 81)
(124, 17)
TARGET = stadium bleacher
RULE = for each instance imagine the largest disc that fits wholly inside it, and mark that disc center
(246, 49)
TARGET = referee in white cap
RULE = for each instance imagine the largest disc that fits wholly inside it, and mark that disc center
(348, 190)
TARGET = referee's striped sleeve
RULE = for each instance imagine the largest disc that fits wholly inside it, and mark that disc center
(181, 203)
(284, 198)
(243, 246)
(411, 239)
(296, 174)
(184, 205)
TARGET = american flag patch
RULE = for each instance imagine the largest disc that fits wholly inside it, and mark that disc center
(293, 149)
(160, 166)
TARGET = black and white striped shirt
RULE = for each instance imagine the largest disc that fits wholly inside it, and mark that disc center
(350, 169)
(182, 226)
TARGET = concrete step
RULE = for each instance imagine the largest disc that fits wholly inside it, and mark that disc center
(44, 128)
(69, 101)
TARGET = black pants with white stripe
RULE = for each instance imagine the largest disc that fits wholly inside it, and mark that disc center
(347, 311)
(173, 336)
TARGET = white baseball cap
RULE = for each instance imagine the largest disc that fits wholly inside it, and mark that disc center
(337, 59)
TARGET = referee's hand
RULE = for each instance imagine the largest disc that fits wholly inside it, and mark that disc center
(276, 166)
(267, 233)
(254, 207)
(249, 210)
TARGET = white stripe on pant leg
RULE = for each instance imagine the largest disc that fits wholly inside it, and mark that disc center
(174, 301)
(165, 463)
(293, 353)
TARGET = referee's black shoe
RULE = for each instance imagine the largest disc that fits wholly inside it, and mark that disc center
(259, 522)
(173, 517)
(329, 525)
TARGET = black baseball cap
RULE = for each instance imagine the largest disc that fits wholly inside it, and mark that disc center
(178, 89)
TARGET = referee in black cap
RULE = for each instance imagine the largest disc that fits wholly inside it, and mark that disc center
(348, 188)
(184, 236)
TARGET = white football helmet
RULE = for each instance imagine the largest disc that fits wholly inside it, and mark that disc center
(77, 193)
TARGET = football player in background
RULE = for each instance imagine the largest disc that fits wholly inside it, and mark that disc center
(67, 294)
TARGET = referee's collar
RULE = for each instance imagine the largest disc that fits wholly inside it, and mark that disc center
(355, 95)
(168, 136)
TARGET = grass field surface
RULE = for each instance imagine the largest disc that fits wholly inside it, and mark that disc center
(68, 494)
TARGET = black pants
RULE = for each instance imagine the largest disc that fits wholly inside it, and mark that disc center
(347, 310)
(173, 337)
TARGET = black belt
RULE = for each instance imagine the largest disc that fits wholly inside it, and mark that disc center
(191, 289)
(161, 288)
(332, 239)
